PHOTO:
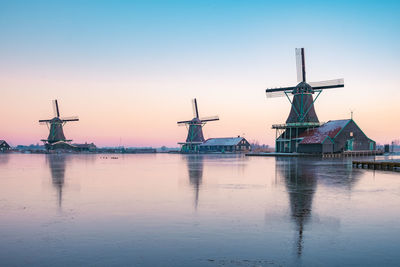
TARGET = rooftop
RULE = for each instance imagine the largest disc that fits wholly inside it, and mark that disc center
(318, 135)
(226, 141)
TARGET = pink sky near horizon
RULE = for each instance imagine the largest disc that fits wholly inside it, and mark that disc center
(133, 113)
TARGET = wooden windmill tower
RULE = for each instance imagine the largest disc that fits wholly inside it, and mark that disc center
(302, 114)
(195, 130)
(56, 138)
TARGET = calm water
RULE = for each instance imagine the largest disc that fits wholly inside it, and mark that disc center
(180, 210)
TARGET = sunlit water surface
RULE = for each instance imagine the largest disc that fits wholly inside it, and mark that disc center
(182, 210)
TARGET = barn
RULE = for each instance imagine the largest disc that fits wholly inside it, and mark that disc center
(4, 146)
(333, 137)
(227, 144)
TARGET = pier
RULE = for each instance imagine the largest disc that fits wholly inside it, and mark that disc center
(377, 165)
(366, 153)
(363, 153)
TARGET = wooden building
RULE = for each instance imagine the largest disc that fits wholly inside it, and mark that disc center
(228, 144)
(334, 137)
(85, 147)
(4, 146)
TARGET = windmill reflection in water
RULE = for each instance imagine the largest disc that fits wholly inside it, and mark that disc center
(195, 168)
(301, 177)
(57, 164)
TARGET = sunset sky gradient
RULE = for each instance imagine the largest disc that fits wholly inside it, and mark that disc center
(129, 69)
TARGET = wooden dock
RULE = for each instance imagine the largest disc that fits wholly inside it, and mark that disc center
(275, 154)
(366, 153)
(377, 165)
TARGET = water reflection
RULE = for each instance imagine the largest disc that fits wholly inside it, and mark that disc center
(195, 169)
(301, 177)
(4, 158)
(301, 185)
(57, 165)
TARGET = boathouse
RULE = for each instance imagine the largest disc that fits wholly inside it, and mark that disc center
(4, 146)
(227, 144)
(334, 137)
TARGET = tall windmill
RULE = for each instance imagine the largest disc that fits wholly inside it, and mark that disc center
(195, 129)
(56, 125)
(302, 114)
(302, 110)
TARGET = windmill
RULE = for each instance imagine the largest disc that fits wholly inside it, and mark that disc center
(56, 124)
(302, 110)
(302, 114)
(195, 129)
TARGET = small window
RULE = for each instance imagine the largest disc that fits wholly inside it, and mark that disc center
(351, 134)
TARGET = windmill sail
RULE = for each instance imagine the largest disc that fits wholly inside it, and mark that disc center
(329, 84)
(56, 109)
(72, 118)
(278, 92)
(211, 118)
(195, 109)
(300, 65)
(275, 94)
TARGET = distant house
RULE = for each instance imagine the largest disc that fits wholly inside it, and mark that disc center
(85, 147)
(333, 137)
(4, 146)
(229, 144)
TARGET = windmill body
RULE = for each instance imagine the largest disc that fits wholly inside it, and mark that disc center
(195, 126)
(302, 115)
(302, 101)
(195, 131)
(56, 131)
(56, 138)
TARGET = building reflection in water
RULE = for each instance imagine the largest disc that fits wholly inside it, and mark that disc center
(301, 177)
(195, 169)
(4, 157)
(57, 163)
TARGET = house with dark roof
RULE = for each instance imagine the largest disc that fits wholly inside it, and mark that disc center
(227, 144)
(4, 146)
(85, 147)
(333, 137)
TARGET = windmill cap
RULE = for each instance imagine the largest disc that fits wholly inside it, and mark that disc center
(195, 120)
(56, 120)
(303, 87)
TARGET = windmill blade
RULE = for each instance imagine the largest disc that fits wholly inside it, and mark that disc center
(327, 84)
(195, 109)
(211, 118)
(73, 118)
(280, 89)
(278, 92)
(183, 122)
(56, 109)
(275, 94)
(300, 65)
(43, 122)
